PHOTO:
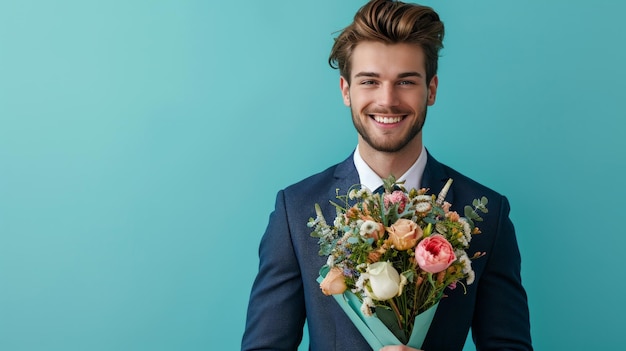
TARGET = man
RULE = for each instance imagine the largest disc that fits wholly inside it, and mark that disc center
(387, 60)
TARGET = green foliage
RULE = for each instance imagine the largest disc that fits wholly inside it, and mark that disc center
(471, 213)
(326, 247)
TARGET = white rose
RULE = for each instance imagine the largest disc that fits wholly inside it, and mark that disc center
(385, 281)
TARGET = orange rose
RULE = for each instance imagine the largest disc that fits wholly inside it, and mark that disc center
(334, 283)
(404, 234)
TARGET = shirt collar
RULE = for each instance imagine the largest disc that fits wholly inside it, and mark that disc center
(369, 179)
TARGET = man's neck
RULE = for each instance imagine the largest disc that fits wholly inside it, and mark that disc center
(388, 163)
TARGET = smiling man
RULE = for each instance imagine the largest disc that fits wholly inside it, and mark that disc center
(387, 59)
(388, 94)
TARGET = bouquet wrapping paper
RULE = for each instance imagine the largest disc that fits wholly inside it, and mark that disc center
(374, 331)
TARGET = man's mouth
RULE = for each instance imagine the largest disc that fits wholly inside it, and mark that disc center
(387, 119)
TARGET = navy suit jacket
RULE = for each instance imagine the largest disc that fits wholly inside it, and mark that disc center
(286, 292)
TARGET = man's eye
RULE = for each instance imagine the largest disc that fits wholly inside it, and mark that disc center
(368, 82)
(407, 82)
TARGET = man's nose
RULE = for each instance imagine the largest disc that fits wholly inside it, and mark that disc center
(388, 96)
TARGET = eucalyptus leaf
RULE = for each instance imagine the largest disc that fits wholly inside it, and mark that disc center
(353, 240)
(438, 211)
(468, 211)
(326, 249)
(430, 220)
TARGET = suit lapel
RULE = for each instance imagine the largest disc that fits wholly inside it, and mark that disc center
(345, 176)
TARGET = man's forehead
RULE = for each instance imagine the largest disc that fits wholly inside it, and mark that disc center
(376, 58)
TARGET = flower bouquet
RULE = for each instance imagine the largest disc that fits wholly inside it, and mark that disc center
(392, 255)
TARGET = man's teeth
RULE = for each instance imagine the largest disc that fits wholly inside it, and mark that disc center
(387, 120)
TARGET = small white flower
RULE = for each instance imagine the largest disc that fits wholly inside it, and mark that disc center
(366, 306)
(466, 229)
(338, 223)
(467, 263)
(352, 194)
(368, 227)
(422, 207)
(470, 277)
(467, 267)
(359, 284)
(327, 232)
(422, 198)
(330, 261)
(364, 192)
(463, 241)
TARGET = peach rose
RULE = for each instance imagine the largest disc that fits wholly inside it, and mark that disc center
(434, 254)
(334, 283)
(404, 234)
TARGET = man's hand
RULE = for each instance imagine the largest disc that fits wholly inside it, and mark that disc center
(398, 348)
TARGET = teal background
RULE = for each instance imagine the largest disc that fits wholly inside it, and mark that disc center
(142, 144)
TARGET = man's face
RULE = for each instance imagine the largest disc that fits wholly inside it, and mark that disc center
(388, 94)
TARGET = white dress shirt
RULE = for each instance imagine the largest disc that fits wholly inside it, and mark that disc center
(371, 180)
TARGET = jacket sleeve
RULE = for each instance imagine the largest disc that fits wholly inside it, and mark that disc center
(276, 311)
(501, 317)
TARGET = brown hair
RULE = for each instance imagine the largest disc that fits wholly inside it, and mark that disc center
(390, 22)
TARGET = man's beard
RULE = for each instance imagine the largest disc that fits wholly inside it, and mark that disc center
(393, 145)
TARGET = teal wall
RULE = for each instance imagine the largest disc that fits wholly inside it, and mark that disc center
(142, 144)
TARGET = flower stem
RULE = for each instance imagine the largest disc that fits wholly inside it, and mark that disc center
(397, 312)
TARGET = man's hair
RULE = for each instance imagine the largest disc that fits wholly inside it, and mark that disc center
(390, 22)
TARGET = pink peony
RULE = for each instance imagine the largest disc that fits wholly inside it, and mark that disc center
(396, 197)
(434, 254)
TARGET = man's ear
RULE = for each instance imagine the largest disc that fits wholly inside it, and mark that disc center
(345, 90)
(432, 90)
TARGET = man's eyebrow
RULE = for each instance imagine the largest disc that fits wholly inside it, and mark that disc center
(367, 74)
(409, 74)
(376, 75)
